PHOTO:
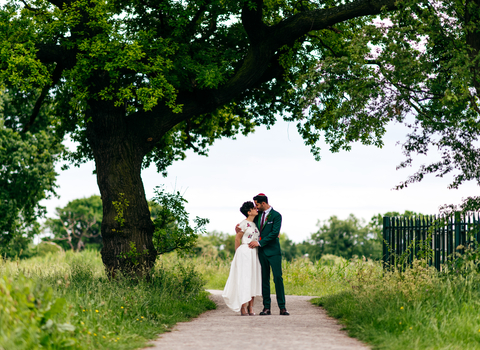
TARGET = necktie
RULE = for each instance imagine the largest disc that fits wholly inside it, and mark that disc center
(263, 221)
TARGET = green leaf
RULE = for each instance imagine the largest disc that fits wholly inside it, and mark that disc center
(55, 308)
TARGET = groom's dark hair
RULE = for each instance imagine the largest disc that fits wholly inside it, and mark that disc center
(260, 198)
(246, 207)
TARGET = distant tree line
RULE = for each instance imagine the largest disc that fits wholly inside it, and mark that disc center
(343, 238)
(77, 226)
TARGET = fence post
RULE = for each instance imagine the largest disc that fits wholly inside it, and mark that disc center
(411, 239)
(457, 232)
(386, 240)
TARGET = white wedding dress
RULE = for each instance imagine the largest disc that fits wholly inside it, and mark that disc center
(244, 280)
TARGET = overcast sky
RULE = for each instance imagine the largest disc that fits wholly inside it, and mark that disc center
(277, 163)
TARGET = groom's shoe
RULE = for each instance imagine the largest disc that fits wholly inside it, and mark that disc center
(284, 312)
(265, 312)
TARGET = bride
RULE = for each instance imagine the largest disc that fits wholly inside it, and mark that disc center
(244, 281)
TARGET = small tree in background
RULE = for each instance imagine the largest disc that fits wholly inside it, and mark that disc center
(78, 223)
(344, 238)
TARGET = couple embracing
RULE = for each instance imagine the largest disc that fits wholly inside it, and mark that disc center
(257, 250)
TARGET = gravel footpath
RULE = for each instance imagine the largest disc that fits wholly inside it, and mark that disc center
(307, 327)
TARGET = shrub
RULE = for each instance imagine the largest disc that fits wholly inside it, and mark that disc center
(31, 317)
(44, 248)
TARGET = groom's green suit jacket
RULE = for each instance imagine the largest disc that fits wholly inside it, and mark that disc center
(270, 243)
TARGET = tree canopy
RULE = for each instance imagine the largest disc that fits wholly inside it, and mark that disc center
(139, 82)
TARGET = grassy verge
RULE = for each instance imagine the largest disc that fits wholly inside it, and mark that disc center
(301, 277)
(416, 309)
(66, 302)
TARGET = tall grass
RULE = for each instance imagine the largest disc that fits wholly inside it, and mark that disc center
(66, 302)
(327, 276)
(418, 308)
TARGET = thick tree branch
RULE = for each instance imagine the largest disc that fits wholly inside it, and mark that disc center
(285, 33)
(265, 44)
(304, 22)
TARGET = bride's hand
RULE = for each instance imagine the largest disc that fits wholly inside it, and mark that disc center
(238, 229)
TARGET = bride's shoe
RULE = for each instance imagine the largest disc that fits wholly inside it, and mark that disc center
(250, 311)
(243, 311)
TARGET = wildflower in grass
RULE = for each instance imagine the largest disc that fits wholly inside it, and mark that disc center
(104, 337)
(83, 310)
(142, 317)
(96, 310)
(95, 334)
(401, 308)
(82, 322)
(121, 307)
(412, 327)
(399, 322)
(89, 332)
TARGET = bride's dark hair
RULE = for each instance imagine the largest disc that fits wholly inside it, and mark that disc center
(246, 207)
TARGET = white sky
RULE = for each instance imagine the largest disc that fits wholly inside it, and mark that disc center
(277, 163)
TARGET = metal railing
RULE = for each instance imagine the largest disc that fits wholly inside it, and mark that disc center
(407, 237)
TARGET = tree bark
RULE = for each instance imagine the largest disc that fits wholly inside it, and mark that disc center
(118, 160)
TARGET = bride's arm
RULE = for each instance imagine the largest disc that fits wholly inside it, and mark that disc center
(238, 239)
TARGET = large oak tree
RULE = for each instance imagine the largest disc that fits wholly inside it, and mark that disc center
(142, 81)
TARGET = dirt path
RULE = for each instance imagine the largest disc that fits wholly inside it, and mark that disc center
(307, 327)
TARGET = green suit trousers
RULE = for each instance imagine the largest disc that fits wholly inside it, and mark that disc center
(275, 263)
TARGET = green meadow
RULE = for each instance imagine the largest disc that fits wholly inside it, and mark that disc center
(65, 301)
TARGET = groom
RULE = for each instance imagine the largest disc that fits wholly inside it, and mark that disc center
(269, 222)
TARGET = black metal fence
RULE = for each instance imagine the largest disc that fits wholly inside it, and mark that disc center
(404, 237)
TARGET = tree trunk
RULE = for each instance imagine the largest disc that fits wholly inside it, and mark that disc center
(127, 228)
